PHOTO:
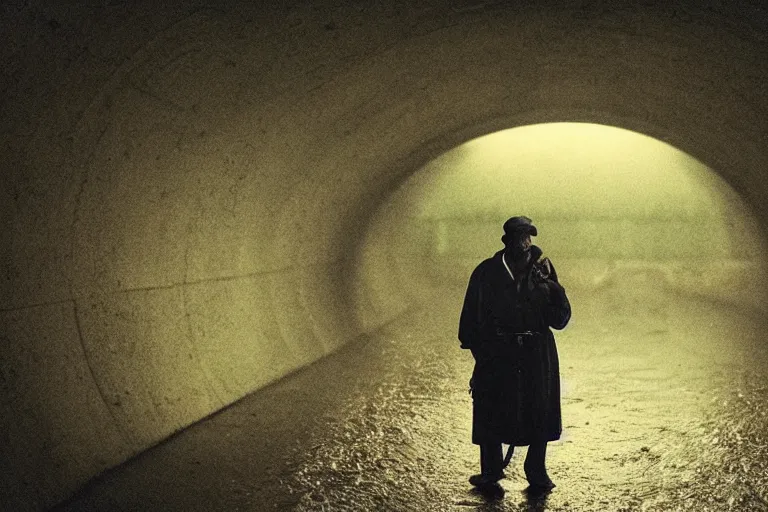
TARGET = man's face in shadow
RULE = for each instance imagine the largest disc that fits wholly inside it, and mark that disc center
(519, 246)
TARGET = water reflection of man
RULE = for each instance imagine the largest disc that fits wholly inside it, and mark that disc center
(512, 300)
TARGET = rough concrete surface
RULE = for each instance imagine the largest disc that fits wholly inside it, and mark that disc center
(663, 409)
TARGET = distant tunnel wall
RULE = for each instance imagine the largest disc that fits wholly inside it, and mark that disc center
(185, 190)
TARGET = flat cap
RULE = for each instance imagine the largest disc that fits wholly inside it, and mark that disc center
(518, 224)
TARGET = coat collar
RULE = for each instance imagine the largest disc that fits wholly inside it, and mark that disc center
(536, 253)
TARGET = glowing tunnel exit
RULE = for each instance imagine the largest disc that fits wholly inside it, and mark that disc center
(607, 192)
(607, 200)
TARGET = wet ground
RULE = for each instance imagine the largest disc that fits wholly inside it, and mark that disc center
(664, 409)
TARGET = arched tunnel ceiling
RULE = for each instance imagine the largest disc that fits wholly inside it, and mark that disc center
(182, 186)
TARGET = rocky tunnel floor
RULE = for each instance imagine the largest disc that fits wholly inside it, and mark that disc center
(664, 409)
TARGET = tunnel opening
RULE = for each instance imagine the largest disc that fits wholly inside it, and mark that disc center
(609, 202)
(624, 214)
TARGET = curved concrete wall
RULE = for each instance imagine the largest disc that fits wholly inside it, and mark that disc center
(184, 189)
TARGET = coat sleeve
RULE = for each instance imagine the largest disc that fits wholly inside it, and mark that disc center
(473, 316)
(558, 310)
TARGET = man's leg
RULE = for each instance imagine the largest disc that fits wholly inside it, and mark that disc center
(490, 459)
(535, 465)
(490, 465)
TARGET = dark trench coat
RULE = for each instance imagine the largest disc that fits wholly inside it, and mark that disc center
(516, 381)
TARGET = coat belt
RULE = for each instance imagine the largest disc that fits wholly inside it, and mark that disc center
(520, 337)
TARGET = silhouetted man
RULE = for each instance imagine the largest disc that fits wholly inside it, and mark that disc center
(512, 300)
